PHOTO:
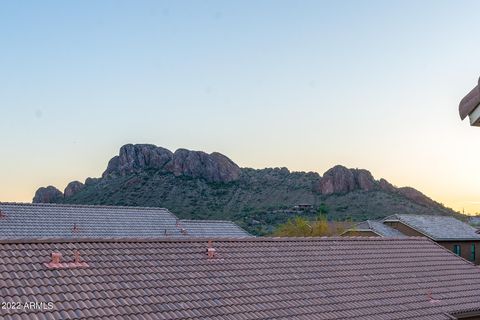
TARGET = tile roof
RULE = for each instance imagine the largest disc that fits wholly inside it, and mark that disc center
(438, 227)
(207, 228)
(250, 278)
(474, 220)
(24, 220)
(379, 228)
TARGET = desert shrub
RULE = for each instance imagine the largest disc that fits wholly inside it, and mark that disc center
(301, 227)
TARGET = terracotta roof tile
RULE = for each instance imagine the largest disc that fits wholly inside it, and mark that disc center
(252, 278)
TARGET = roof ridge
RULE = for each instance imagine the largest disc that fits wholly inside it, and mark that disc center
(206, 239)
(424, 215)
(81, 205)
(206, 220)
(427, 234)
(371, 225)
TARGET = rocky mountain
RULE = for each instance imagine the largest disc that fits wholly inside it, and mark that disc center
(194, 184)
(342, 180)
(48, 194)
(213, 167)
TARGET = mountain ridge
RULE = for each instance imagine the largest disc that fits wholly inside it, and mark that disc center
(196, 184)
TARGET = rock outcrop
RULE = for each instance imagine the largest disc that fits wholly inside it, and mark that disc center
(416, 196)
(138, 157)
(150, 160)
(90, 181)
(386, 186)
(340, 179)
(48, 194)
(72, 188)
(337, 180)
(213, 167)
(364, 180)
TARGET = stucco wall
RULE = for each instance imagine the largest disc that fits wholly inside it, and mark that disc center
(406, 230)
(465, 248)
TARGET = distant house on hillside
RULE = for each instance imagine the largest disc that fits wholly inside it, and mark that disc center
(474, 221)
(449, 232)
(303, 207)
(33, 221)
(470, 106)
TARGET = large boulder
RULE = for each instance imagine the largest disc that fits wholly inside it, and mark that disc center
(48, 194)
(72, 188)
(138, 157)
(417, 196)
(338, 179)
(213, 167)
(364, 180)
(91, 181)
(386, 186)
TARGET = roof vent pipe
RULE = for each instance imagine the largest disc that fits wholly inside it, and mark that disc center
(56, 258)
(55, 262)
(210, 250)
(430, 297)
(77, 257)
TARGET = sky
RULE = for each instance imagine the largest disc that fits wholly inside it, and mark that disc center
(298, 84)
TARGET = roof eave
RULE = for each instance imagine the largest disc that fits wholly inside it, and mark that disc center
(362, 230)
(411, 226)
(456, 239)
(428, 235)
(474, 116)
(470, 102)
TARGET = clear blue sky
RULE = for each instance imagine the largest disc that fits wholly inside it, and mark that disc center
(302, 84)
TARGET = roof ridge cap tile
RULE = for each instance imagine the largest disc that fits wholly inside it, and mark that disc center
(204, 239)
(81, 205)
(205, 221)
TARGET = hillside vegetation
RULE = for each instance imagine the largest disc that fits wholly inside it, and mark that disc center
(197, 186)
